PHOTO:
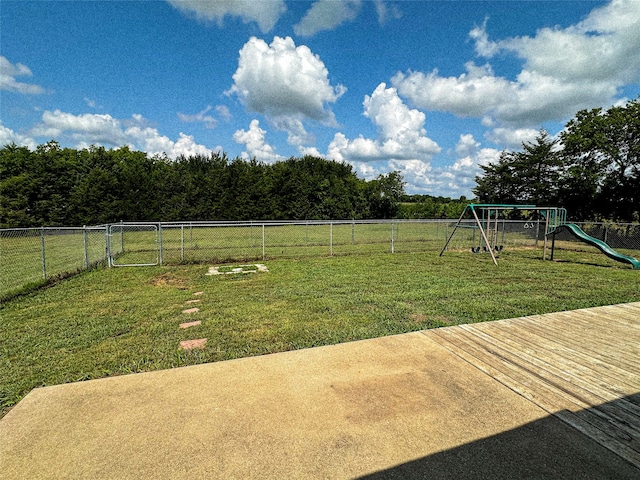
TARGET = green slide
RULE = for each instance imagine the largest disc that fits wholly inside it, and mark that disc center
(603, 247)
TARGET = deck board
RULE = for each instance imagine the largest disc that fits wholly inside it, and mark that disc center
(581, 366)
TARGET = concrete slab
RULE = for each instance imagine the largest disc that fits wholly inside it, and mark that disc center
(392, 407)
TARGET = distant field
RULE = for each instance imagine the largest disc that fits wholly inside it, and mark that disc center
(116, 321)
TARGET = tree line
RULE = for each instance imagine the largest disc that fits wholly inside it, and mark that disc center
(54, 186)
(592, 169)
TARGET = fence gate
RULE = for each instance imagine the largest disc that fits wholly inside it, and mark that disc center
(133, 245)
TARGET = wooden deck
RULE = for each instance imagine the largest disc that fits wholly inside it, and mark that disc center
(581, 366)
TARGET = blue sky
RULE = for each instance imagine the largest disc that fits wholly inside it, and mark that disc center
(432, 89)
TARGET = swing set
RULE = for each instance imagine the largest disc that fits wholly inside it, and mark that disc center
(487, 215)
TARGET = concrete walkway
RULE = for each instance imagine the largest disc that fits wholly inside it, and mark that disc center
(395, 407)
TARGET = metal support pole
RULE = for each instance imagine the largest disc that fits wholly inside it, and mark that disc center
(263, 257)
(107, 245)
(330, 238)
(85, 245)
(392, 239)
(353, 232)
(160, 243)
(44, 258)
(182, 243)
(546, 234)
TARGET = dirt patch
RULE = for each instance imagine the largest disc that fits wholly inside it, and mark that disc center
(446, 320)
(168, 279)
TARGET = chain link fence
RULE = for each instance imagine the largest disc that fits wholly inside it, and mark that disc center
(32, 256)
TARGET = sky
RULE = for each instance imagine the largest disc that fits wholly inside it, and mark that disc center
(432, 89)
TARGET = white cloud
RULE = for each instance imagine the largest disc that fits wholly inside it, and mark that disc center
(472, 94)
(103, 129)
(483, 46)
(327, 15)
(386, 11)
(401, 133)
(96, 128)
(288, 84)
(200, 117)
(310, 151)
(458, 179)
(564, 70)
(256, 147)
(92, 103)
(264, 13)
(512, 138)
(466, 145)
(295, 128)
(282, 79)
(422, 177)
(402, 143)
(8, 74)
(8, 136)
(223, 112)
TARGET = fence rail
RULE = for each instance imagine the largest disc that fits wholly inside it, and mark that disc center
(31, 256)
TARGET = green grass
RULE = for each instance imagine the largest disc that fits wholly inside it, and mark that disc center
(124, 320)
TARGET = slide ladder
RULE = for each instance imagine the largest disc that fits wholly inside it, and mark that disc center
(599, 244)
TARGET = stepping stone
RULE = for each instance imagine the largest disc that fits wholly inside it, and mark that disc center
(190, 324)
(191, 310)
(198, 293)
(192, 301)
(191, 344)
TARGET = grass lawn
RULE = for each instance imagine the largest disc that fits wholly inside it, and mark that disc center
(124, 320)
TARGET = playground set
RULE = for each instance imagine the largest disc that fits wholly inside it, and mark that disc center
(487, 215)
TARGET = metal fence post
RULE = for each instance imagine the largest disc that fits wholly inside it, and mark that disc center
(353, 231)
(182, 243)
(392, 246)
(331, 238)
(160, 240)
(107, 246)
(86, 247)
(263, 241)
(44, 259)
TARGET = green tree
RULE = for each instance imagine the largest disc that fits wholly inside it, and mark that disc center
(16, 187)
(602, 150)
(384, 195)
(530, 176)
